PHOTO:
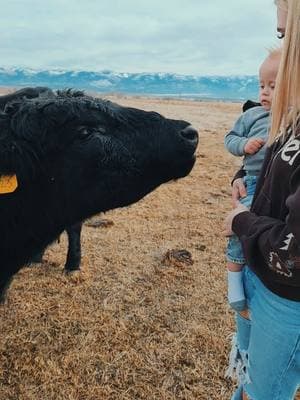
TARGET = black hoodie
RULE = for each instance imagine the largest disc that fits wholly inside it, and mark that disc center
(270, 232)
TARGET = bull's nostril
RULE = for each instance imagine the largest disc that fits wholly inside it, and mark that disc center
(189, 133)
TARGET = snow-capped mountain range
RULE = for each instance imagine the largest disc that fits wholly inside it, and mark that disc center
(234, 88)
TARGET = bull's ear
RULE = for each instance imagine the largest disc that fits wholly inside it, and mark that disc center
(26, 93)
(32, 92)
(12, 107)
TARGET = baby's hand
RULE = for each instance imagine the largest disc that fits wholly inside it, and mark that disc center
(253, 145)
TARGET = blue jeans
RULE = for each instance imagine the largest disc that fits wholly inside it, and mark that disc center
(266, 349)
(234, 251)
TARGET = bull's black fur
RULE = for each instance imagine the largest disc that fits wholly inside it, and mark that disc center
(75, 156)
(73, 259)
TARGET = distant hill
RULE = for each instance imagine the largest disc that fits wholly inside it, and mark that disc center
(233, 88)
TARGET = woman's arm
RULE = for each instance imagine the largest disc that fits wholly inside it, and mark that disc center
(275, 241)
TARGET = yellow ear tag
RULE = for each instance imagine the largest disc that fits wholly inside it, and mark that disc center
(8, 183)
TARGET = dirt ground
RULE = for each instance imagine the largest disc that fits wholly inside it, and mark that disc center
(130, 325)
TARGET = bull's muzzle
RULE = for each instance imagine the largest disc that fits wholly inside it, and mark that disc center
(190, 134)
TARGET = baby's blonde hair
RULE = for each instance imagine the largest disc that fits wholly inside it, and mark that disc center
(274, 53)
(286, 101)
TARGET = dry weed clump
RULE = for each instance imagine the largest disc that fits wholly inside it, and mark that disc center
(178, 258)
(130, 326)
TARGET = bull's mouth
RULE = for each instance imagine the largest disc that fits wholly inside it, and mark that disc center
(183, 168)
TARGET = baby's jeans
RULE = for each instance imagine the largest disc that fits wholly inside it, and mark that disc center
(234, 251)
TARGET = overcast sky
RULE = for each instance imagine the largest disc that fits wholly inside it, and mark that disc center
(202, 37)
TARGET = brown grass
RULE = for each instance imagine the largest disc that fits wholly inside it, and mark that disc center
(131, 326)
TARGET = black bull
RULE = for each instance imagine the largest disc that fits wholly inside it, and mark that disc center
(72, 156)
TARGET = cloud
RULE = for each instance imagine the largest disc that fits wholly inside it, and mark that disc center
(187, 37)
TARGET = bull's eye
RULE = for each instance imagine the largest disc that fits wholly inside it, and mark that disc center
(101, 130)
(83, 132)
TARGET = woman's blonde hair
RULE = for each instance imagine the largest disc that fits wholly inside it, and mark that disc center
(282, 4)
(286, 100)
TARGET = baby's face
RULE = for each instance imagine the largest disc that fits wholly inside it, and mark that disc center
(267, 77)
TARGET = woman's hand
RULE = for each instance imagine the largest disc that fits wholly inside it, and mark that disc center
(239, 208)
(238, 190)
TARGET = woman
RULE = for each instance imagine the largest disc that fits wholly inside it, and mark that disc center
(266, 353)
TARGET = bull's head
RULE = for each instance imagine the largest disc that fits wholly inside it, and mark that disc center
(94, 154)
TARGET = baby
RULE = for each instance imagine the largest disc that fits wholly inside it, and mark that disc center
(247, 139)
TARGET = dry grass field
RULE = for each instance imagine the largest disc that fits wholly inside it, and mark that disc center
(132, 326)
